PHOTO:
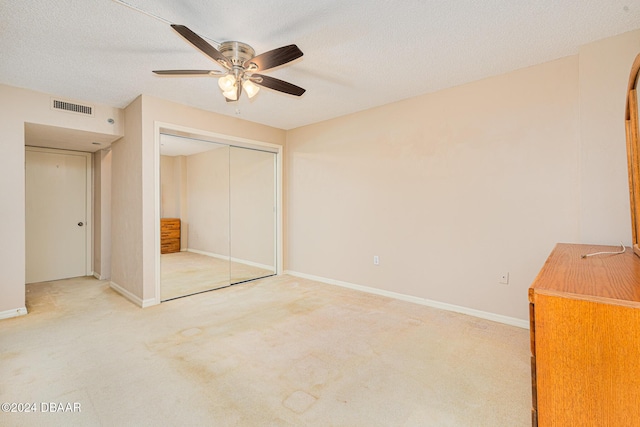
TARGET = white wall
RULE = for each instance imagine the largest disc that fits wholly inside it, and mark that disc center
(18, 106)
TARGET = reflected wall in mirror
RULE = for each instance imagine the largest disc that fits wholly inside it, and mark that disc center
(194, 187)
(633, 152)
(225, 199)
(253, 213)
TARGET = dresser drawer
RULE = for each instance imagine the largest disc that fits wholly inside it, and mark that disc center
(170, 246)
(170, 234)
(167, 224)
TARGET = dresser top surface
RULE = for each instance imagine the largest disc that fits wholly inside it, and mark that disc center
(615, 278)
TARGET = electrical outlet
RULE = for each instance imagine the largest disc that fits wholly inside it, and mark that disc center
(376, 260)
(504, 278)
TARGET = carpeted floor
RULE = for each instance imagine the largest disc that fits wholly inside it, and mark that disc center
(187, 273)
(279, 351)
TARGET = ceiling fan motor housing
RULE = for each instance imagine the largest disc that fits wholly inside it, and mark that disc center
(237, 52)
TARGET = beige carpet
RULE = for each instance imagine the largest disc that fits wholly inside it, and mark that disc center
(187, 273)
(279, 351)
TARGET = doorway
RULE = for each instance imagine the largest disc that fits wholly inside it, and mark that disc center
(58, 209)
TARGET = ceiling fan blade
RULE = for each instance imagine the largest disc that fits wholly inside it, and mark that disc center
(275, 57)
(201, 44)
(277, 84)
(185, 72)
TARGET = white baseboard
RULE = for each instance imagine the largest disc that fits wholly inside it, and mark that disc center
(417, 300)
(8, 314)
(227, 258)
(253, 264)
(211, 254)
(131, 297)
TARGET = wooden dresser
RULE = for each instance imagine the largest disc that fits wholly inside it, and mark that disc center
(169, 235)
(585, 338)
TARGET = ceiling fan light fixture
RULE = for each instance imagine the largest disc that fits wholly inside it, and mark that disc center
(231, 94)
(251, 88)
(227, 82)
(240, 63)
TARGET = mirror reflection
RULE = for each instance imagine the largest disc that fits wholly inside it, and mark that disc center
(217, 215)
(252, 209)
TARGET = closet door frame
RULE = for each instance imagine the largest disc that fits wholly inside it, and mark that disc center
(170, 128)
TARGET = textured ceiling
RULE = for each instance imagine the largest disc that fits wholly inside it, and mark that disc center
(357, 54)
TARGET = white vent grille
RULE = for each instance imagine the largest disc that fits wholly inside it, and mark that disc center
(71, 107)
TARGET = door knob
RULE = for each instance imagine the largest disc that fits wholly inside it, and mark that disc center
(80, 224)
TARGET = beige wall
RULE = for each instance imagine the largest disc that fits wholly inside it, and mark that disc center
(252, 206)
(17, 107)
(170, 186)
(173, 193)
(450, 190)
(102, 214)
(208, 201)
(604, 75)
(454, 188)
(136, 259)
(126, 208)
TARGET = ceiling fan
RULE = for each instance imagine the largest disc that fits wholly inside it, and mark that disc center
(241, 66)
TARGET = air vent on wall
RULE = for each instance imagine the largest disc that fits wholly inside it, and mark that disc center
(71, 107)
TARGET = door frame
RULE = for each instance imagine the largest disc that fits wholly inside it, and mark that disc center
(89, 198)
(164, 127)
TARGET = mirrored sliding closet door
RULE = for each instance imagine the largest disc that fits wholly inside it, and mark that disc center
(218, 215)
(252, 214)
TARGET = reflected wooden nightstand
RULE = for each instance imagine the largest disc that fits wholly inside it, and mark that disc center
(169, 235)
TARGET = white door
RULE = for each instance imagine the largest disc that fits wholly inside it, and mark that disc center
(57, 233)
